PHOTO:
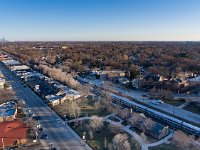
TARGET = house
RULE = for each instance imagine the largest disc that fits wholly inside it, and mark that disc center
(8, 111)
(11, 62)
(158, 131)
(68, 94)
(150, 127)
(12, 133)
(3, 57)
(20, 68)
(53, 100)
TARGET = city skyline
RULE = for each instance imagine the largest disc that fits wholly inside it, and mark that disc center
(100, 20)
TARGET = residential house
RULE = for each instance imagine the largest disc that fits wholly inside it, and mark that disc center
(158, 131)
(12, 133)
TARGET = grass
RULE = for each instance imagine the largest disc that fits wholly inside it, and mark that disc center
(174, 102)
(164, 147)
(99, 137)
(192, 107)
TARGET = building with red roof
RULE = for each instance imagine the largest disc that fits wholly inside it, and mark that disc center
(12, 133)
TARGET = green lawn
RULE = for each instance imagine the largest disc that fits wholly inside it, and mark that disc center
(193, 108)
(164, 147)
(98, 141)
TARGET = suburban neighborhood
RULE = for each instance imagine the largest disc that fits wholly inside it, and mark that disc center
(99, 75)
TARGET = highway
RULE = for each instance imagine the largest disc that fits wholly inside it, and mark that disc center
(62, 137)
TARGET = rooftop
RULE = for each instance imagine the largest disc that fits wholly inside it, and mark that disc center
(11, 131)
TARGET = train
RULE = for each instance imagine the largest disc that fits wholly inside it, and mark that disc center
(175, 123)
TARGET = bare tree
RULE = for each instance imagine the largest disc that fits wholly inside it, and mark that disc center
(74, 110)
(97, 105)
(137, 121)
(149, 124)
(6, 95)
(120, 141)
(91, 134)
(183, 141)
(117, 109)
(124, 113)
(115, 129)
(96, 122)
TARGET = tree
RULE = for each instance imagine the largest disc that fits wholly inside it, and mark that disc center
(115, 129)
(120, 142)
(149, 124)
(96, 123)
(6, 95)
(91, 134)
(183, 141)
(97, 105)
(74, 109)
(124, 113)
(137, 121)
(117, 109)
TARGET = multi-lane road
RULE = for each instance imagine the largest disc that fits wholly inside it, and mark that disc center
(61, 135)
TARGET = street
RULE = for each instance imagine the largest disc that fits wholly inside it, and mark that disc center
(62, 137)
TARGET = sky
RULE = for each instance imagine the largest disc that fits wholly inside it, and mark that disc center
(100, 20)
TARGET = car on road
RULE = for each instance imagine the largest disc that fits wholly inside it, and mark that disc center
(40, 130)
(44, 136)
(36, 117)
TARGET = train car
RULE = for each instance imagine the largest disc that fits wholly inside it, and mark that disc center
(190, 129)
(141, 108)
(153, 113)
(176, 123)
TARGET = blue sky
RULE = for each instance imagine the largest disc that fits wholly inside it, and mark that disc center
(101, 20)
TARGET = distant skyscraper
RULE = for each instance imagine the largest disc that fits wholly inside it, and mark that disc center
(3, 40)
